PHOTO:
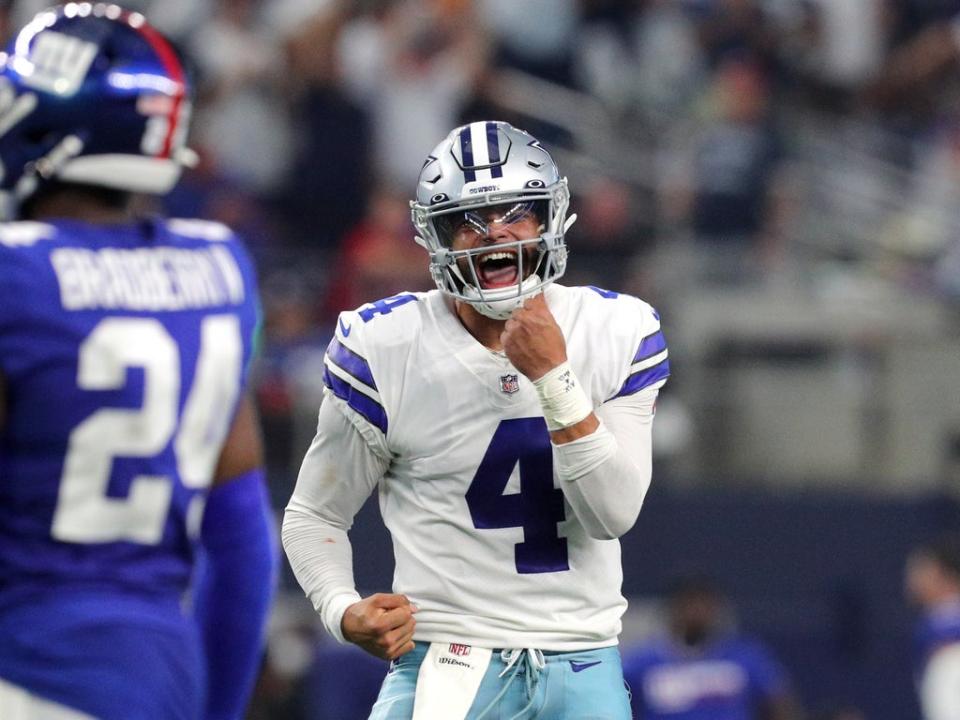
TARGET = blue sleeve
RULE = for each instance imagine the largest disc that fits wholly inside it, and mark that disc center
(234, 588)
(767, 678)
(8, 308)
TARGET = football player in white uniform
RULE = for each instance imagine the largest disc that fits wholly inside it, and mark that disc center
(506, 421)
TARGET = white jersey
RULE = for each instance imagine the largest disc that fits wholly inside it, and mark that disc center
(484, 541)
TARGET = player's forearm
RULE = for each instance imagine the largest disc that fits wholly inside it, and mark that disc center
(321, 557)
(234, 589)
(603, 484)
(338, 473)
(605, 474)
(585, 427)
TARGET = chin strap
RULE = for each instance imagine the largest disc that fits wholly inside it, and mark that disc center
(501, 309)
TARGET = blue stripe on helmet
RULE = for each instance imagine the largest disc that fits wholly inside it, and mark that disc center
(366, 407)
(466, 149)
(493, 150)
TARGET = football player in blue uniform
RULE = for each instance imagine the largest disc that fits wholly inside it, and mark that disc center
(702, 670)
(136, 546)
(932, 580)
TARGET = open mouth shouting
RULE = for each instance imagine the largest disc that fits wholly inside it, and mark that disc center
(498, 269)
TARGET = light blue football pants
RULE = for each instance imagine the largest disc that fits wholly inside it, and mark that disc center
(584, 685)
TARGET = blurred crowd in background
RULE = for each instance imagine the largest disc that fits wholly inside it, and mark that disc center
(778, 177)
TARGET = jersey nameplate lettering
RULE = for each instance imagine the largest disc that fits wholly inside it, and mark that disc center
(151, 279)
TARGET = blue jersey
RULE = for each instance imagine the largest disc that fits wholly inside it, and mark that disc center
(728, 680)
(124, 351)
(938, 628)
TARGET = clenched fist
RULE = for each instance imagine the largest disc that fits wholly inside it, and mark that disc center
(381, 624)
(532, 339)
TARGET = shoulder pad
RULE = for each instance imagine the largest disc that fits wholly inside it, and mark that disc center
(363, 342)
(650, 364)
(384, 323)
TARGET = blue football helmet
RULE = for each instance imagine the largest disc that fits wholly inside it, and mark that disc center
(485, 173)
(91, 94)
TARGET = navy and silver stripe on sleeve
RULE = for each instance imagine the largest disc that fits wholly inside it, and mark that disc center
(650, 365)
(348, 376)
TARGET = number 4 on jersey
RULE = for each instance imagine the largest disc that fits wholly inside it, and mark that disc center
(537, 508)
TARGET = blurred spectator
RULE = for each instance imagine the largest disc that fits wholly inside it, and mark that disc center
(378, 257)
(611, 231)
(851, 39)
(289, 373)
(343, 682)
(330, 178)
(412, 64)
(932, 582)
(205, 193)
(923, 237)
(728, 188)
(907, 19)
(175, 18)
(841, 713)
(644, 59)
(703, 669)
(490, 101)
(284, 688)
(243, 119)
(925, 47)
(738, 27)
(534, 35)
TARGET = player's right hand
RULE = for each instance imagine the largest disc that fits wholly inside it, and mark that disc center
(381, 624)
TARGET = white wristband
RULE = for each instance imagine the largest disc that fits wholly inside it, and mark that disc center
(563, 401)
(333, 610)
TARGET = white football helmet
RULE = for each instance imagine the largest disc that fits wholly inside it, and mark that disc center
(481, 166)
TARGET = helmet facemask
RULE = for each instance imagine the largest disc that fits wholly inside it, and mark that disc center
(466, 261)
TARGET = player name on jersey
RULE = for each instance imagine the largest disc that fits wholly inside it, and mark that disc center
(679, 687)
(149, 279)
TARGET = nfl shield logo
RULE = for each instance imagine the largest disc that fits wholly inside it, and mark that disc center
(509, 384)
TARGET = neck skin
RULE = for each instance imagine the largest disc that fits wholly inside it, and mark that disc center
(82, 205)
(485, 330)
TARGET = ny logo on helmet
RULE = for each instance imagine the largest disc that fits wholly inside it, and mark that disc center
(59, 63)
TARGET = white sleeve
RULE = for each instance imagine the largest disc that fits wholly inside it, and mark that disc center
(940, 685)
(338, 473)
(605, 475)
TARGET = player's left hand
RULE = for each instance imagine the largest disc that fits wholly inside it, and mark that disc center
(532, 339)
